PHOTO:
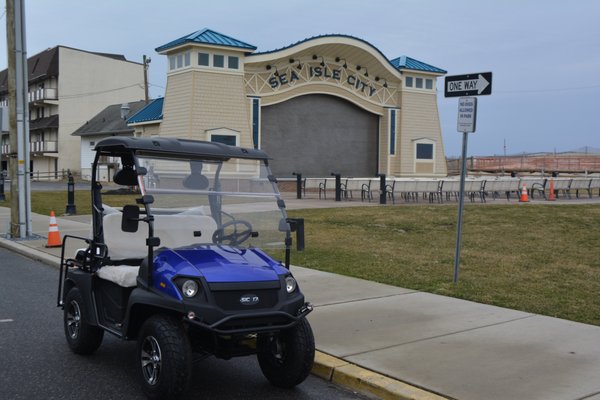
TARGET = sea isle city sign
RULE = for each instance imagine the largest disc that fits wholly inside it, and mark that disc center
(325, 73)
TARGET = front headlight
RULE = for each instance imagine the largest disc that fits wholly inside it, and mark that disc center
(189, 288)
(290, 284)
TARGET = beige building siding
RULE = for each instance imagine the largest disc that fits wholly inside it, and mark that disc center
(441, 165)
(80, 97)
(419, 120)
(222, 104)
(198, 101)
(177, 108)
(146, 130)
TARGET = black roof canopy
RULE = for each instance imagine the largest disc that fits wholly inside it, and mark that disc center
(173, 147)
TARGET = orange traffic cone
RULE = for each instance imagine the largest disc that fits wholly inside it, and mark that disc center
(524, 194)
(552, 196)
(53, 234)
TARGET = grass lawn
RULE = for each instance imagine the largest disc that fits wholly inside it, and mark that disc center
(44, 202)
(537, 258)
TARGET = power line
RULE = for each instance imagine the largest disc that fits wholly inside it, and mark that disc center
(73, 96)
(549, 90)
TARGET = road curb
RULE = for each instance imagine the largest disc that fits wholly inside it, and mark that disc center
(364, 381)
(30, 252)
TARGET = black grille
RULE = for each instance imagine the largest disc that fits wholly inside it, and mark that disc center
(231, 300)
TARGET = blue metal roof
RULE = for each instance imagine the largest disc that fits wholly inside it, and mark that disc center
(207, 36)
(152, 112)
(405, 62)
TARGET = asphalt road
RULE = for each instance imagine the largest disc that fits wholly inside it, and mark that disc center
(37, 364)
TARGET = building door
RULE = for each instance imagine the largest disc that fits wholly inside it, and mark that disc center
(320, 134)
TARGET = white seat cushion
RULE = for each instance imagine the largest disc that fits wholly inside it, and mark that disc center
(122, 275)
(173, 230)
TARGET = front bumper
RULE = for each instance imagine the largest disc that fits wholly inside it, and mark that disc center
(250, 322)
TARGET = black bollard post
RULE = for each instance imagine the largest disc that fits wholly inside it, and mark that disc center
(382, 185)
(338, 186)
(298, 184)
(2, 175)
(71, 209)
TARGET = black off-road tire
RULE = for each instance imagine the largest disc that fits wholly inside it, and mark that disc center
(163, 358)
(82, 337)
(287, 358)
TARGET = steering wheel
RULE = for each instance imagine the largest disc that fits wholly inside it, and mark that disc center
(236, 237)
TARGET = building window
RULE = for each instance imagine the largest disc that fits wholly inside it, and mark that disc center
(419, 83)
(233, 62)
(203, 59)
(92, 144)
(230, 140)
(409, 81)
(218, 61)
(429, 84)
(424, 151)
(178, 61)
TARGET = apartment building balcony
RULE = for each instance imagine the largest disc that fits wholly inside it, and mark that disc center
(45, 146)
(43, 95)
(37, 147)
(4, 151)
(45, 123)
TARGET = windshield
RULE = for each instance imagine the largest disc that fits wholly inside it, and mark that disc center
(236, 194)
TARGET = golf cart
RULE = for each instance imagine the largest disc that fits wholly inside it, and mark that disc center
(187, 270)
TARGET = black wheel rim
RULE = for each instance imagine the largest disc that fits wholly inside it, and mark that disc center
(151, 360)
(73, 319)
(277, 350)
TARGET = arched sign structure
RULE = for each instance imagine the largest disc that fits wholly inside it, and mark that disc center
(327, 103)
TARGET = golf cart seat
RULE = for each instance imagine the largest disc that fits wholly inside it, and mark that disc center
(173, 230)
(126, 177)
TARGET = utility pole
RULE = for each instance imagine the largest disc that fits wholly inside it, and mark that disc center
(146, 61)
(18, 88)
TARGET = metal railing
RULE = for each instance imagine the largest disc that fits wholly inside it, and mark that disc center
(46, 146)
(43, 94)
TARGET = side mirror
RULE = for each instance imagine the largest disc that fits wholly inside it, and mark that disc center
(131, 219)
(284, 225)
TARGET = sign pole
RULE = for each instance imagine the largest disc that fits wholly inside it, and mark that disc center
(461, 206)
(462, 86)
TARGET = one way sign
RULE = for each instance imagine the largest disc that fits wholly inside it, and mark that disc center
(478, 84)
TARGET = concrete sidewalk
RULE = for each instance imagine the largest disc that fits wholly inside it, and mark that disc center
(380, 337)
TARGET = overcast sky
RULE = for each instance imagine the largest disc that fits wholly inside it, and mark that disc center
(544, 54)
